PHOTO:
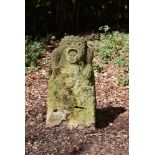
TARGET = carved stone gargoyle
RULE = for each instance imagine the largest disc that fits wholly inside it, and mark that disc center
(71, 88)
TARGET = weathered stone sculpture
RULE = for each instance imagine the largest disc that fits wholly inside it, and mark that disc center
(71, 90)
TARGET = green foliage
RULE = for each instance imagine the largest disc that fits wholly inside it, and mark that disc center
(33, 51)
(115, 45)
(121, 62)
(123, 80)
(104, 28)
(113, 48)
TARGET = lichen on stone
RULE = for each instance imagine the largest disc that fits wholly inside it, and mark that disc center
(71, 88)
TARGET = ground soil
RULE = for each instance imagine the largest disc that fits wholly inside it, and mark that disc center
(110, 136)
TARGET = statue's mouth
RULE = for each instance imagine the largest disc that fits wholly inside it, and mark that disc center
(73, 55)
(73, 52)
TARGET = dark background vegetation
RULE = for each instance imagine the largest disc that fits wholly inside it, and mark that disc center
(74, 16)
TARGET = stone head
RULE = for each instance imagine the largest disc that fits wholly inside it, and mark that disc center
(74, 48)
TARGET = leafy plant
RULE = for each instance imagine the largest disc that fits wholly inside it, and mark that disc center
(123, 80)
(104, 28)
(33, 51)
(121, 62)
(111, 47)
(115, 44)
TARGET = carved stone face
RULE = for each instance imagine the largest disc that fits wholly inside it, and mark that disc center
(74, 49)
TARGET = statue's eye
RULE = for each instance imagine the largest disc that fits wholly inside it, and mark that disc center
(68, 43)
(79, 44)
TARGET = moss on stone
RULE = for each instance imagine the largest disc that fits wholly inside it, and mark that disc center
(71, 90)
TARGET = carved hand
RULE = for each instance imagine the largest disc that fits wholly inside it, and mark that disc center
(87, 71)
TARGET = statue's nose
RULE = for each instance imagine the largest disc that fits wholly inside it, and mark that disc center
(72, 46)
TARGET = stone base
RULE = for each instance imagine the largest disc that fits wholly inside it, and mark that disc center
(79, 118)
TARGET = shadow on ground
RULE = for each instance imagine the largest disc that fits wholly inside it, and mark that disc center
(107, 115)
